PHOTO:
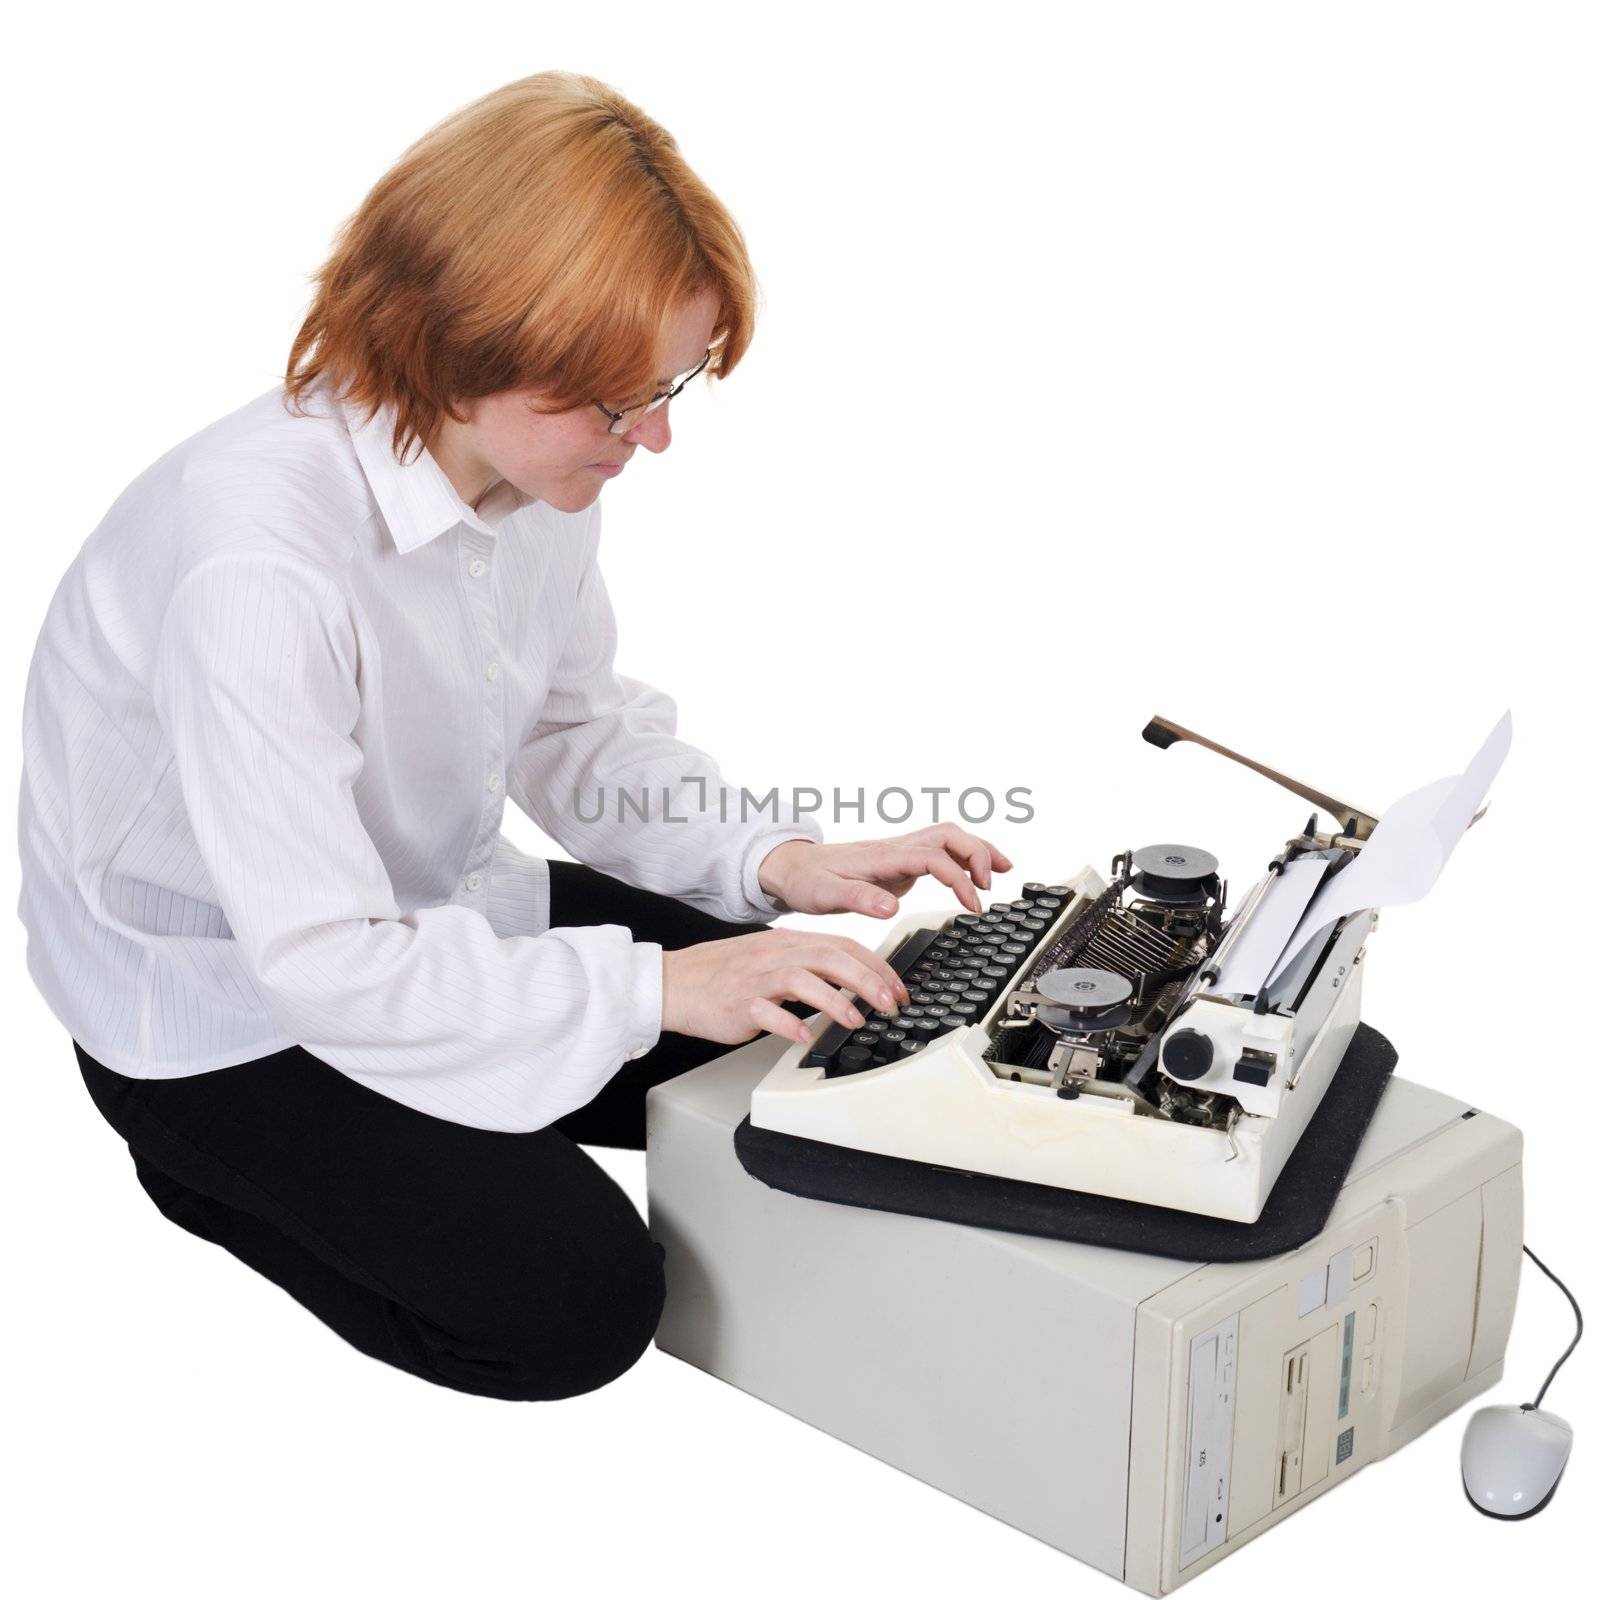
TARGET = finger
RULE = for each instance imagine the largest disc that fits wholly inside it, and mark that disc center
(1002, 862)
(842, 891)
(776, 1020)
(876, 966)
(914, 853)
(870, 899)
(896, 864)
(940, 866)
(998, 860)
(799, 983)
(971, 850)
(856, 968)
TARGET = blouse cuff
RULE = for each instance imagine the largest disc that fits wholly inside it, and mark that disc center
(645, 1019)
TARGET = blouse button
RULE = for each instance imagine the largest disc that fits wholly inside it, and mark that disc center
(492, 782)
(492, 671)
(474, 880)
(478, 568)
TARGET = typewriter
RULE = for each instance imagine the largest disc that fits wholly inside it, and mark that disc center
(1129, 1035)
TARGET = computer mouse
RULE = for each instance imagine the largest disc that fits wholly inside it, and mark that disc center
(1512, 1458)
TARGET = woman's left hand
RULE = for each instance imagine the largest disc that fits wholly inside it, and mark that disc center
(868, 875)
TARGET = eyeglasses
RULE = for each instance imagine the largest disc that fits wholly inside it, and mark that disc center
(631, 416)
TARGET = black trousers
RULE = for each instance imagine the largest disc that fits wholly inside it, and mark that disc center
(501, 1264)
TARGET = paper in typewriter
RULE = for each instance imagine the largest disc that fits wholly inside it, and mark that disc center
(1408, 849)
(1252, 956)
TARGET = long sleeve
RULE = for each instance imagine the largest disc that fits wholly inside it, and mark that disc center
(518, 900)
(604, 773)
(256, 684)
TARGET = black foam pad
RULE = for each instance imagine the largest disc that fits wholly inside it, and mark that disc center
(1296, 1210)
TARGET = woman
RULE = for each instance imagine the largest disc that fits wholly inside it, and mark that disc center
(348, 1031)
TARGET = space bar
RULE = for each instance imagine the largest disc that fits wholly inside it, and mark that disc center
(903, 960)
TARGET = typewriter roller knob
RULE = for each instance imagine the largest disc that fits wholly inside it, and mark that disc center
(1187, 1055)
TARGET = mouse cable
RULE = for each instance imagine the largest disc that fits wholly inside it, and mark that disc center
(1575, 1311)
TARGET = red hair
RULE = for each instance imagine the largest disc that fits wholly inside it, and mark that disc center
(539, 238)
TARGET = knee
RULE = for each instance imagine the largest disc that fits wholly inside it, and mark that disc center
(563, 1338)
(603, 1337)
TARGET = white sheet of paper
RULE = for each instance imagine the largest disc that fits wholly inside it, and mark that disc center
(1253, 954)
(1408, 849)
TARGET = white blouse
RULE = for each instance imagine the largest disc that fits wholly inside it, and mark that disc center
(272, 718)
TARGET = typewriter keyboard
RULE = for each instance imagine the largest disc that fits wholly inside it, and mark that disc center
(953, 974)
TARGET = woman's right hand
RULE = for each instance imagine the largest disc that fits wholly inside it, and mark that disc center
(729, 990)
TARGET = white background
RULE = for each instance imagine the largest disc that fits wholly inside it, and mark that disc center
(1233, 362)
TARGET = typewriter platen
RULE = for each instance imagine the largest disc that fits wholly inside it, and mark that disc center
(1120, 1035)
